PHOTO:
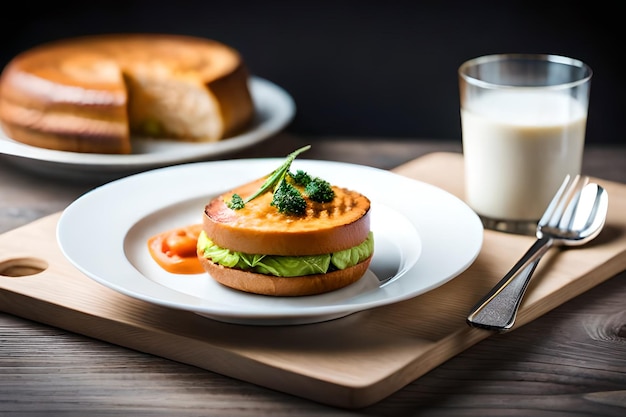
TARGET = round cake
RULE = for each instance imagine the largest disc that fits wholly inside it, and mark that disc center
(92, 94)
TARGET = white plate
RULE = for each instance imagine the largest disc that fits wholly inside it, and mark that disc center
(423, 235)
(274, 109)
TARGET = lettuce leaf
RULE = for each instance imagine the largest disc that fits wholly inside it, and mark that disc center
(293, 266)
(350, 257)
(286, 266)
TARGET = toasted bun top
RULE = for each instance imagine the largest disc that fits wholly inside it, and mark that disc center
(260, 229)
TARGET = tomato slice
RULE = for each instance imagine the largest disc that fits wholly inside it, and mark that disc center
(175, 250)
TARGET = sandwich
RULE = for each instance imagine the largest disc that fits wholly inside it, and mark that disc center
(286, 234)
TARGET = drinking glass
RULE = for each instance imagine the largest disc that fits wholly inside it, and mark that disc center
(523, 119)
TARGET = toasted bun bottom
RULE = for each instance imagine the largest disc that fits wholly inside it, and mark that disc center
(284, 286)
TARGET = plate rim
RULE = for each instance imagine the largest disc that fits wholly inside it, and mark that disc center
(162, 295)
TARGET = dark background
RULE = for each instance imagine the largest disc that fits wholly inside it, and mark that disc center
(362, 68)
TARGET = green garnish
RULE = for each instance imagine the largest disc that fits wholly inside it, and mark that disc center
(278, 176)
(319, 190)
(301, 177)
(282, 183)
(236, 202)
(316, 188)
(287, 199)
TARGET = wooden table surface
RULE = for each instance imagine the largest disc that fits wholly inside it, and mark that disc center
(572, 361)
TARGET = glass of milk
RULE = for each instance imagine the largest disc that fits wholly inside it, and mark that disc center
(523, 119)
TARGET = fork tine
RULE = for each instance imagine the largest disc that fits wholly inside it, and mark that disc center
(564, 199)
(567, 219)
(555, 202)
(562, 215)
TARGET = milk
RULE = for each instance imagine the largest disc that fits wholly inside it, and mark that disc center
(518, 146)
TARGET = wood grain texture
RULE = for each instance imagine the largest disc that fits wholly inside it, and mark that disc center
(352, 362)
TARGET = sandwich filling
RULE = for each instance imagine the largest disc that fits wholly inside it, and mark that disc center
(286, 266)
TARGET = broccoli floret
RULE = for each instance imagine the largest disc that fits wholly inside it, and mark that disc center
(236, 202)
(287, 199)
(319, 190)
(315, 188)
(301, 178)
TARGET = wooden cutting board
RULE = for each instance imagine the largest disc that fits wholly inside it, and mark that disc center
(351, 362)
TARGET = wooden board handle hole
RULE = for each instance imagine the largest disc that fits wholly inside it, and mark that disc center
(22, 267)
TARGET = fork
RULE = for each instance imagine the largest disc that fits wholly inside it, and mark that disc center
(572, 218)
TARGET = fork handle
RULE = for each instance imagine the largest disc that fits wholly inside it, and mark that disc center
(498, 309)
